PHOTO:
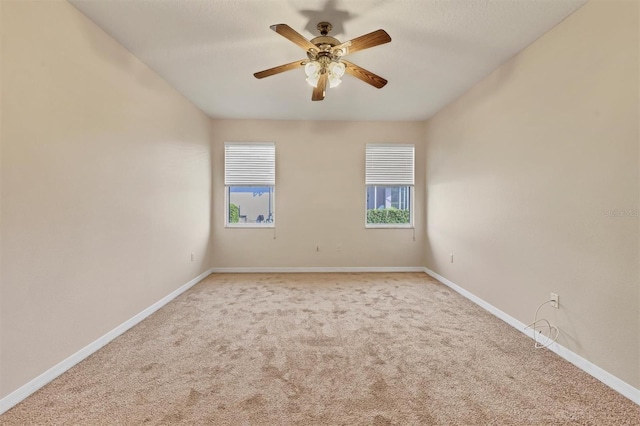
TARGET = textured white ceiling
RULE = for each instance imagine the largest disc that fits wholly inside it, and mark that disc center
(209, 49)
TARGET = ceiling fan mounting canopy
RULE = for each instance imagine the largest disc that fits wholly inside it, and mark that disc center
(324, 27)
(324, 53)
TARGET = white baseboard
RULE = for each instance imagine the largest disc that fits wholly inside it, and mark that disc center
(605, 377)
(24, 391)
(303, 269)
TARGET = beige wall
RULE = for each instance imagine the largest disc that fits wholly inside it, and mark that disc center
(105, 187)
(1, 145)
(320, 197)
(521, 172)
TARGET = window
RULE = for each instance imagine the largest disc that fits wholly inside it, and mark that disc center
(249, 178)
(389, 181)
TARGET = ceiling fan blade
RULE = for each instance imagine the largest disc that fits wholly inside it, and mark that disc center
(279, 69)
(364, 75)
(366, 41)
(291, 34)
(320, 89)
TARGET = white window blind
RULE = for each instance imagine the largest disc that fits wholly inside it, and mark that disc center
(389, 164)
(249, 163)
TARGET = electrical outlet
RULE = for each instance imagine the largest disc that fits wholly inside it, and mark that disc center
(555, 301)
(451, 258)
(192, 257)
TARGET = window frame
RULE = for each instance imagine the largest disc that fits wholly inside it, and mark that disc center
(392, 183)
(267, 179)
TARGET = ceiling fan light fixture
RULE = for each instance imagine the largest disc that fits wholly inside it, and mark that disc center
(313, 80)
(325, 66)
(337, 69)
(334, 81)
(312, 70)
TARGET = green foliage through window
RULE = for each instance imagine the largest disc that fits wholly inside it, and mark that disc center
(234, 213)
(387, 216)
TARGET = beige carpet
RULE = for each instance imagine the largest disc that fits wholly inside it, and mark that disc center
(323, 349)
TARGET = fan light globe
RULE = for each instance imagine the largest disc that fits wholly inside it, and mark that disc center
(312, 70)
(336, 69)
(313, 80)
(334, 81)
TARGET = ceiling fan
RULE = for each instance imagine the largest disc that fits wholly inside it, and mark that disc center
(325, 63)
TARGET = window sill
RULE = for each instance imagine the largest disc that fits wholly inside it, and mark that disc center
(251, 226)
(389, 226)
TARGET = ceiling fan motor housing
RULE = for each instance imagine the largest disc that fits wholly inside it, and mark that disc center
(325, 42)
